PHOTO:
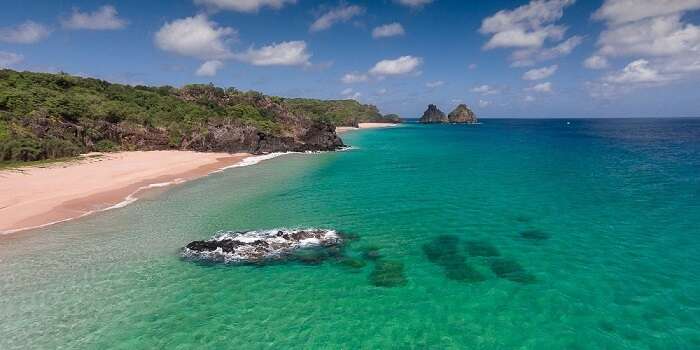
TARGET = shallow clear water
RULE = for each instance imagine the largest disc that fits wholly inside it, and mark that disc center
(595, 224)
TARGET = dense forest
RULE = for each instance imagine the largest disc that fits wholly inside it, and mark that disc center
(45, 116)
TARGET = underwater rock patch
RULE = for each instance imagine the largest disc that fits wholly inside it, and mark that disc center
(310, 246)
(535, 235)
(388, 273)
(511, 270)
(444, 252)
(482, 248)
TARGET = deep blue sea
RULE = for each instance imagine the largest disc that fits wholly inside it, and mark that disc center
(510, 234)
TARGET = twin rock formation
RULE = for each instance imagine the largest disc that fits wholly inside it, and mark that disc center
(461, 115)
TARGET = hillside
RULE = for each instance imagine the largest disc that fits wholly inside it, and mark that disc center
(45, 116)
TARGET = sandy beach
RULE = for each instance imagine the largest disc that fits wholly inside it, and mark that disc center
(33, 197)
(342, 129)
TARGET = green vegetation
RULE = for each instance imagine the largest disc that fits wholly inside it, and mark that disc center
(47, 116)
(336, 112)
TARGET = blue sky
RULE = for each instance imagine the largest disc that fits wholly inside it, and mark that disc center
(555, 58)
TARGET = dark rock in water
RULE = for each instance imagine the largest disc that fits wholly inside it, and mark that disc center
(388, 274)
(482, 248)
(371, 253)
(462, 115)
(535, 235)
(444, 251)
(433, 115)
(308, 246)
(352, 263)
(511, 270)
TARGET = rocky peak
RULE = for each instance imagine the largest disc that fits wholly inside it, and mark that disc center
(462, 114)
(433, 115)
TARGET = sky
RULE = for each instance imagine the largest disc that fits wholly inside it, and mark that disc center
(536, 59)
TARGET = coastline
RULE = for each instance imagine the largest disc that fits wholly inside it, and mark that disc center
(360, 126)
(42, 196)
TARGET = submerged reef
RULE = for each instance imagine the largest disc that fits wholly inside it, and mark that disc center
(310, 246)
(388, 273)
(445, 252)
(511, 270)
(535, 235)
(482, 248)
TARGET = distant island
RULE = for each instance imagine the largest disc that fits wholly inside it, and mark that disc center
(460, 115)
(49, 116)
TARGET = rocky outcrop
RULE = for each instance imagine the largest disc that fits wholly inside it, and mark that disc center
(462, 115)
(433, 115)
(262, 246)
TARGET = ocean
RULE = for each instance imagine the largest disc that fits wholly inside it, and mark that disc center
(510, 234)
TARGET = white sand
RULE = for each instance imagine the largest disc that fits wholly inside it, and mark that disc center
(38, 196)
(342, 129)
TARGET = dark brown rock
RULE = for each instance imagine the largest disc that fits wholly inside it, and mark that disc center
(462, 115)
(433, 115)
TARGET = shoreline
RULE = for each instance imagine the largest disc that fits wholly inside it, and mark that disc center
(65, 191)
(361, 126)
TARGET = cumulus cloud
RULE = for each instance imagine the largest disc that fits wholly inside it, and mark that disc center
(434, 84)
(388, 30)
(527, 29)
(484, 103)
(399, 66)
(196, 37)
(639, 71)
(8, 59)
(351, 94)
(542, 87)
(209, 68)
(340, 14)
(414, 3)
(472, 66)
(596, 62)
(527, 26)
(28, 32)
(104, 18)
(624, 11)
(484, 90)
(529, 98)
(656, 34)
(540, 73)
(244, 5)
(288, 53)
(352, 78)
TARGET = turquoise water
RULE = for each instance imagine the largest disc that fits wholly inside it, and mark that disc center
(527, 234)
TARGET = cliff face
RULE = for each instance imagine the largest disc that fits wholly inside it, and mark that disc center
(44, 116)
(433, 115)
(462, 114)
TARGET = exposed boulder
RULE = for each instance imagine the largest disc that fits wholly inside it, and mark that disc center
(433, 115)
(261, 246)
(463, 115)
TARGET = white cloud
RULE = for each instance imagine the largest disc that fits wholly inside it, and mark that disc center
(657, 36)
(244, 5)
(351, 94)
(484, 90)
(528, 57)
(540, 73)
(104, 18)
(381, 91)
(401, 65)
(472, 66)
(529, 98)
(26, 33)
(638, 71)
(542, 87)
(434, 84)
(624, 11)
(341, 14)
(484, 103)
(195, 37)
(527, 26)
(288, 53)
(388, 30)
(8, 59)
(596, 62)
(209, 68)
(414, 3)
(352, 78)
